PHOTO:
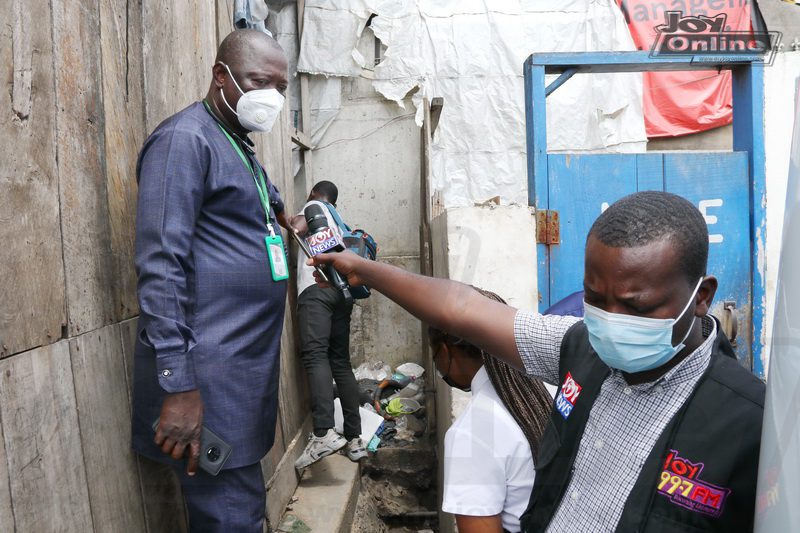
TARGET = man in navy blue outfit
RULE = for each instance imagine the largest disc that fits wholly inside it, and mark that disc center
(212, 284)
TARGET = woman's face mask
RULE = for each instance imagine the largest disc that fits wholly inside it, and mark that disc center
(634, 343)
(445, 376)
(257, 110)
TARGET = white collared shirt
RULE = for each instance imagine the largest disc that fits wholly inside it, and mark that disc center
(488, 467)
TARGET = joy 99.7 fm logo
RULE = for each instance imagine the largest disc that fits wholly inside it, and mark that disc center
(709, 38)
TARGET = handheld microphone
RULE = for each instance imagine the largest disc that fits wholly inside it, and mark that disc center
(321, 239)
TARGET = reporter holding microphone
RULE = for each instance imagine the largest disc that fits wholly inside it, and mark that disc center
(650, 387)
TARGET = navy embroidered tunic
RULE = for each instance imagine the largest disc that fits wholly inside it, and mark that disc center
(211, 315)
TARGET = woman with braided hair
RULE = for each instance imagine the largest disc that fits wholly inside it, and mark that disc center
(489, 449)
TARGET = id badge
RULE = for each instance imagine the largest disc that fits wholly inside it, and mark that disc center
(277, 257)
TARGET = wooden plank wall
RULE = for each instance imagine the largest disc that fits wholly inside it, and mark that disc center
(123, 106)
(87, 81)
(31, 306)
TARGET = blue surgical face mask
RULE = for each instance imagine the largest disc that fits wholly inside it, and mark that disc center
(633, 343)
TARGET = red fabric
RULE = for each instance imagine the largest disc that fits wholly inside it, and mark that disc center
(679, 103)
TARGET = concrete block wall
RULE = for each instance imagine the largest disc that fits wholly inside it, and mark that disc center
(371, 151)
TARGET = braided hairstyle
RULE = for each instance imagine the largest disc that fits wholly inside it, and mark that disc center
(525, 398)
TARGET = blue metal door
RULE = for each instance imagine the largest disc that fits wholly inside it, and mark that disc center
(721, 184)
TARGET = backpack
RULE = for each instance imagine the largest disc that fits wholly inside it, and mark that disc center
(360, 243)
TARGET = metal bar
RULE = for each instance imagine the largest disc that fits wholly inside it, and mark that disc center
(561, 80)
(536, 138)
(557, 62)
(305, 109)
(748, 135)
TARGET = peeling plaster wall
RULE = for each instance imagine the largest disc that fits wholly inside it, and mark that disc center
(371, 152)
(481, 246)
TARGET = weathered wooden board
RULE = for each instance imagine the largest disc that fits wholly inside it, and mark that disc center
(224, 19)
(6, 512)
(274, 150)
(283, 482)
(270, 461)
(98, 369)
(179, 50)
(127, 331)
(121, 46)
(161, 492)
(40, 430)
(81, 165)
(31, 269)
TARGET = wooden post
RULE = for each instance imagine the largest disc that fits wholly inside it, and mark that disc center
(305, 111)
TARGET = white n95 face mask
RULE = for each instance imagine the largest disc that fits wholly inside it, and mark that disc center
(257, 110)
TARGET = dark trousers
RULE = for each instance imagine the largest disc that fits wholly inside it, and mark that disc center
(234, 501)
(324, 319)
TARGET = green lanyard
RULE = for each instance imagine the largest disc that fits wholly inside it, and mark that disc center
(261, 185)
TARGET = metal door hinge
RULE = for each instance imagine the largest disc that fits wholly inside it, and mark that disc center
(548, 228)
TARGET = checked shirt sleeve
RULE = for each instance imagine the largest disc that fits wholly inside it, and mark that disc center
(538, 339)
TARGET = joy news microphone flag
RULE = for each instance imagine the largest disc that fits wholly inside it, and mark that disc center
(321, 238)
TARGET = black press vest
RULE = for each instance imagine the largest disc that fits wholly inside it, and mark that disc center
(701, 473)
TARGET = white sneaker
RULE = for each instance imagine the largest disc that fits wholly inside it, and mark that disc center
(319, 447)
(356, 449)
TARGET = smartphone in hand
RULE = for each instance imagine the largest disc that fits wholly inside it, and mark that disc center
(214, 451)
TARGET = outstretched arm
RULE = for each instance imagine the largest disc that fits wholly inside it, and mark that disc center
(449, 305)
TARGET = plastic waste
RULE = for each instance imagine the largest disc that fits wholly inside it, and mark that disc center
(403, 431)
(410, 390)
(401, 379)
(374, 442)
(377, 370)
(412, 370)
(415, 390)
(402, 406)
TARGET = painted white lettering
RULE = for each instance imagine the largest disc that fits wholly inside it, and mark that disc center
(704, 205)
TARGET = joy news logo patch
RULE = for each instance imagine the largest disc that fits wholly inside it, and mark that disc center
(708, 38)
(567, 396)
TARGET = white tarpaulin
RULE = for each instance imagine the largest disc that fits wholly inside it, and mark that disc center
(778, 486)
(471, 53)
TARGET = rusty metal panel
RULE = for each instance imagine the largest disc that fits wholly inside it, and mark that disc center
(98, 369)
(81, 166)
(31, 269)
(123, 104)
(46, 472)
